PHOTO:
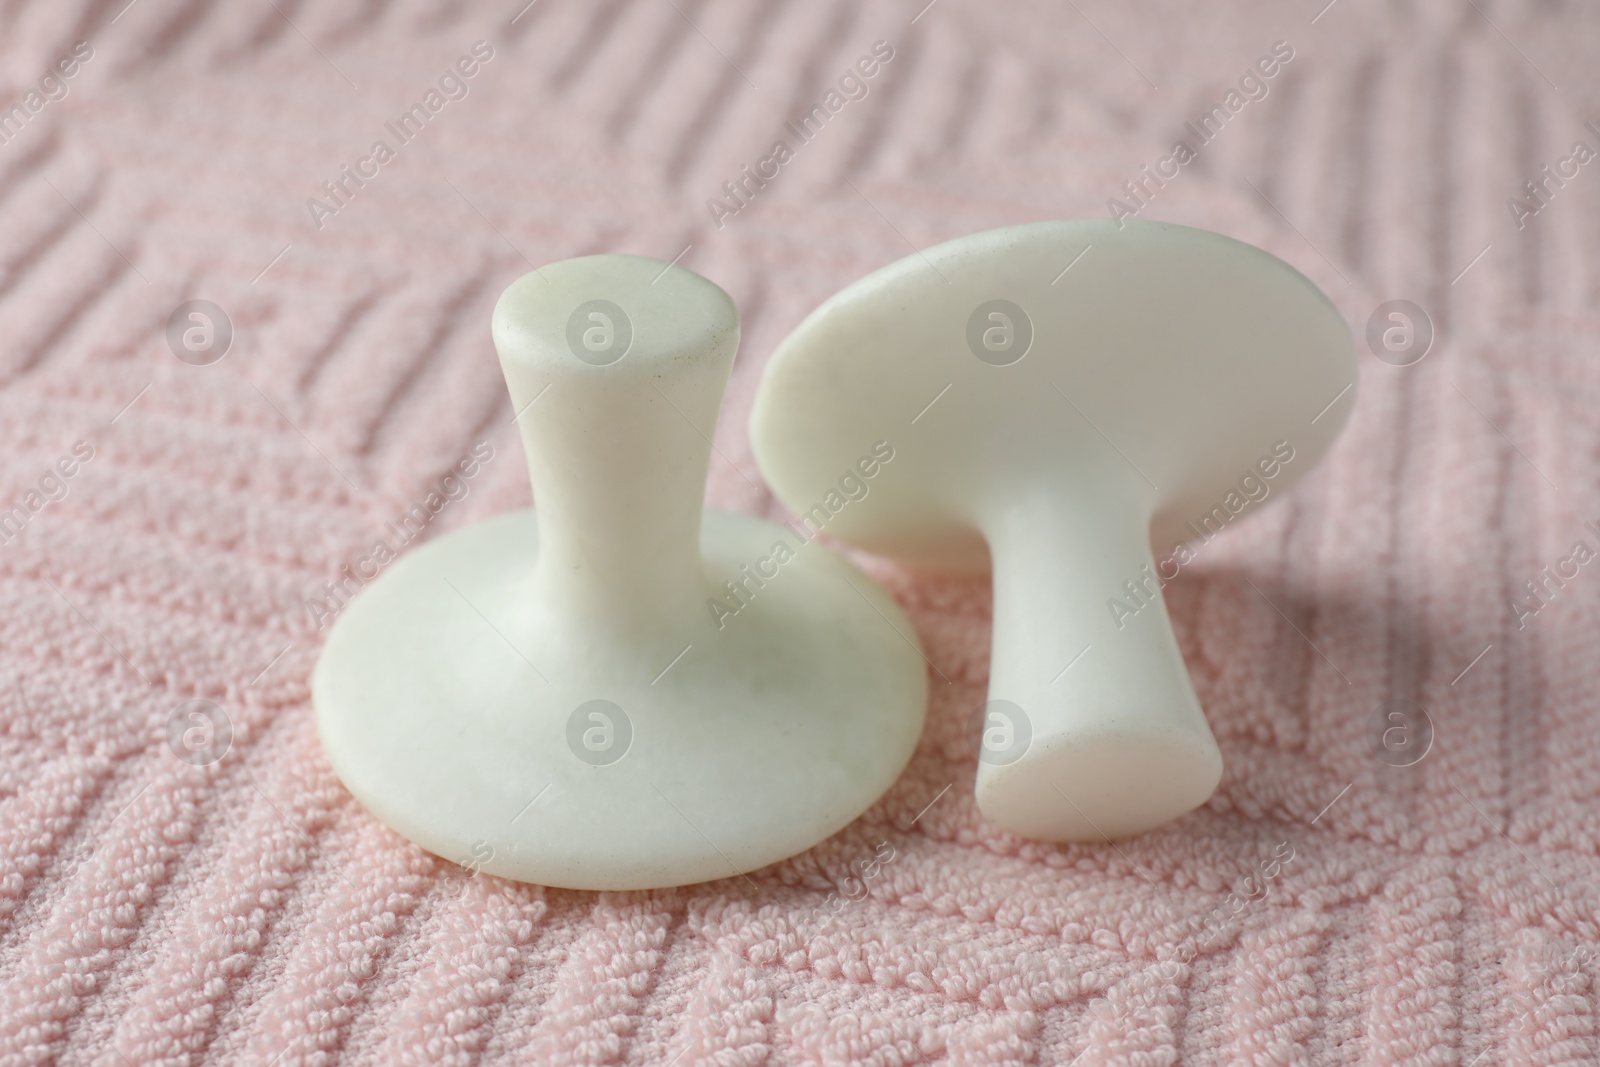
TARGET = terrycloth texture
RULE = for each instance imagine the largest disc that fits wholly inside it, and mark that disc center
(251, 912)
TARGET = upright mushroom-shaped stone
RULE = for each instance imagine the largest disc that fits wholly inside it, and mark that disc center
(1061, 396)
(616, 689)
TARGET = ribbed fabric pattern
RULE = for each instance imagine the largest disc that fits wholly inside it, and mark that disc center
(251, 912)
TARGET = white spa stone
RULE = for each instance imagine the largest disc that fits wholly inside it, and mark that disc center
(1062, 397)
(550, 696)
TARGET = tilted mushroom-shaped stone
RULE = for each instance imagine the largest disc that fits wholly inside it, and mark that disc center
(617, 689)
(1061, 397)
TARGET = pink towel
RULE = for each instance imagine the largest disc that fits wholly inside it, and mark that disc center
(247, 910)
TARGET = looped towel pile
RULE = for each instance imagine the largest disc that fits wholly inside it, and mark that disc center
(353, 184)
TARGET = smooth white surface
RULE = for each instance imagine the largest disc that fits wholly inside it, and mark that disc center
(447, 691)
(1154, 366)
